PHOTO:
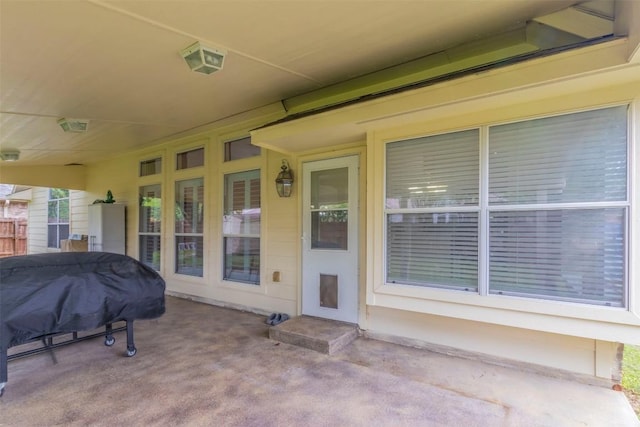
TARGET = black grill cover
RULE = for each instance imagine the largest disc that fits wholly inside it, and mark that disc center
(73, 291)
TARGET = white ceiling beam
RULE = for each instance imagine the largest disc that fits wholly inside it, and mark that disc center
(71, 177)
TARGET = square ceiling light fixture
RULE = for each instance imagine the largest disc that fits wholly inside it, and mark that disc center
(203, 59)
(74, 125)
(9, 156)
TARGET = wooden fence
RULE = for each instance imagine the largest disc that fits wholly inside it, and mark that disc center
(13, 237)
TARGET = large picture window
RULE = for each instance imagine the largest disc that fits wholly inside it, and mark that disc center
(149, 225)
(241, 227)
(549, 221)
(189, 226)
(57, 217)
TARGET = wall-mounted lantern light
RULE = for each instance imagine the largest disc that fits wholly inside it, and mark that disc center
(284, 181)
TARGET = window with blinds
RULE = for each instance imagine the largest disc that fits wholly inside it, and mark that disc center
(553, 211)
(558, 207)
(241, 227)
(432, 199)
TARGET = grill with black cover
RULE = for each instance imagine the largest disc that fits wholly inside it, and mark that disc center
(59, 293)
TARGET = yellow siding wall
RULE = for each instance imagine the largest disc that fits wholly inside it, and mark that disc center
(119, 176)
(37, 228)
(501, 344)
(573, 337)
(278, 221)
(78, 212)
(280, 238)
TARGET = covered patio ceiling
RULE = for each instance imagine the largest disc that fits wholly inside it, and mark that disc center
(117, 64)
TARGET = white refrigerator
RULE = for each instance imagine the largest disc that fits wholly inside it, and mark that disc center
(107, 228)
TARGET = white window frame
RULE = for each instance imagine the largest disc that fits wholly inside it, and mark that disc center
(228, 232)
(145, 233)
(200, 235)
(58, 223)
(563, 207)
(484, 306)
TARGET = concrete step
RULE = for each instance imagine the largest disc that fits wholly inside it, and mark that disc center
(323, 335)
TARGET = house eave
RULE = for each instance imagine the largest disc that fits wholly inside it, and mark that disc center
(588, 66)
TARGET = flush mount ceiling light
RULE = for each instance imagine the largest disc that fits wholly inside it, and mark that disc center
(74, 125)
(203, 59)
(9, 156)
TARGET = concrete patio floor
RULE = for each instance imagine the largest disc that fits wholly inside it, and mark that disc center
(201, 365)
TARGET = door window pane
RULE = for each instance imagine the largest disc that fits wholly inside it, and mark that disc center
(330, 209)
(330, 189)
(329, 229)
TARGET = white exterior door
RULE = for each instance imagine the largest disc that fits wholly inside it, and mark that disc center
(330, 239)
